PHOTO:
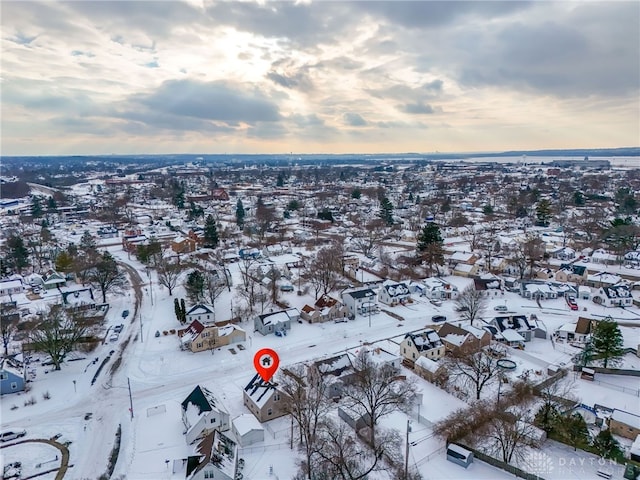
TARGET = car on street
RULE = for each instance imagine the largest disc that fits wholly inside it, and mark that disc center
(500, 308)
(571, 301)
(118, 328)
(125, 314)
(114, 337)
(436, 302)
(438, 318)
(7, 435)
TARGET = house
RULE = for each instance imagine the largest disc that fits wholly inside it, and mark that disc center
(516, 323)
(215, 457)
(489, 284)
(79, 300)
(392, 293)
(263, 399)
(202, 413)
(247, 430)
(603, 257)
(537, 290)
(465, 270)
(431, 370)
(280, 321)
(463, 338)
(362, 301)
(565, 254)
(573, 272)
(334, 372)
(54, 280)
(625, 424)
(326, 308)
(182, 244)
(439, 289)
(579, 331)
(220, 194)
(11, 379)
(422, 344)
(603, 279)
(201, 312)
(618, 295)
(466, 258)
(199, 337)
(11, 286)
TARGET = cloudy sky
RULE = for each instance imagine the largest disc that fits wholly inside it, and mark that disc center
(93, 77)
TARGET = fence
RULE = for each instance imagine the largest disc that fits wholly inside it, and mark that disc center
(264, 448)
(502, 465)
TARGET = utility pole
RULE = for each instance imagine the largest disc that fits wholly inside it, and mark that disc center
(140, 318)
(130, 398)
(406, 453)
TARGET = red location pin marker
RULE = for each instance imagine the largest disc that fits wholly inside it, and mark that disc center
(266, 362)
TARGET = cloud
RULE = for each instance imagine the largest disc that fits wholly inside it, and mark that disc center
(354, 119)
(416, 108)
(217, 101)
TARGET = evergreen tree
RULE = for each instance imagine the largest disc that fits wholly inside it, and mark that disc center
(183, 310)
(578, 198)
(36, 207)
(575, 431)
(240, 214)
(64, 262)
(18, 254)
(52, 206)
(210, 232)
(356, 193)
(487, 209)
(543, 212)
(429, 247)
(386, 211)
(280, 180)
(194, 286)
(176, 309)
(606, 445)
(607, 342)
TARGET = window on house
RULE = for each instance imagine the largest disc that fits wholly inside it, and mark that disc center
(208, 474)
(276, 397)
(4, 376)
(198, 345)
(14, 386)
(213, 420)
(413, 355)
(404, 350)
(269, 412)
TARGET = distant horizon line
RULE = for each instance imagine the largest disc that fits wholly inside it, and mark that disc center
(621, 151)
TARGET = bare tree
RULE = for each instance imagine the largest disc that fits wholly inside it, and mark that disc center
(322, 271)
(342, 456)
(556, 396)
(476, 369)
(214, 285)
(377, 390)
(308, 406)
(489, 244)
(169, 273)
(58, 334)
(367, 240)
(534, 249)
(107, 275)
(471, 303)
(8, 326)
(507, 432)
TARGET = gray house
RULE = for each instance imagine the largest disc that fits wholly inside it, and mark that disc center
(11, 380)
(275, 321)
(360, 301)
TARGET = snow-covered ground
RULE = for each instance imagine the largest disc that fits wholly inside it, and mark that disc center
(160, 376)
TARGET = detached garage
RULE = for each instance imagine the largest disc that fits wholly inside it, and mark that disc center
(247, 430)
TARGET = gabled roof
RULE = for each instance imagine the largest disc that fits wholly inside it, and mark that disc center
(325, 301)
(259, 390)
(425, 340)
(192, 331)
(396, 289)
(364, 293)
(200, 309)
(617, 291)
(335, 366)
(201, 398)
(584, 325)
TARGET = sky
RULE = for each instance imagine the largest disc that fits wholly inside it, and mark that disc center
(124, 77)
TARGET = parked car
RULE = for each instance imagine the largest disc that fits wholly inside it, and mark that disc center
(8, 435)
(501, 308)
(118, 328)
(572, 303)
(438, 318)
(341, 320)
(125, 314)
(436, 302)
(114, 337)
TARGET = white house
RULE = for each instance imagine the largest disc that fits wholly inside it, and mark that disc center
(202, 413)
(392, 293)
(362, 301)
(202, 313)
(439, 289)
(614, 296)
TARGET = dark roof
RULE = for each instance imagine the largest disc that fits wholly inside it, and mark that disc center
(425, 340)
(256, 384)
(364, 293)
(201, 398)
(518, 322)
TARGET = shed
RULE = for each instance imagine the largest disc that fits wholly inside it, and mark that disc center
(459, 455)
(247, 430)
(588, 374)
